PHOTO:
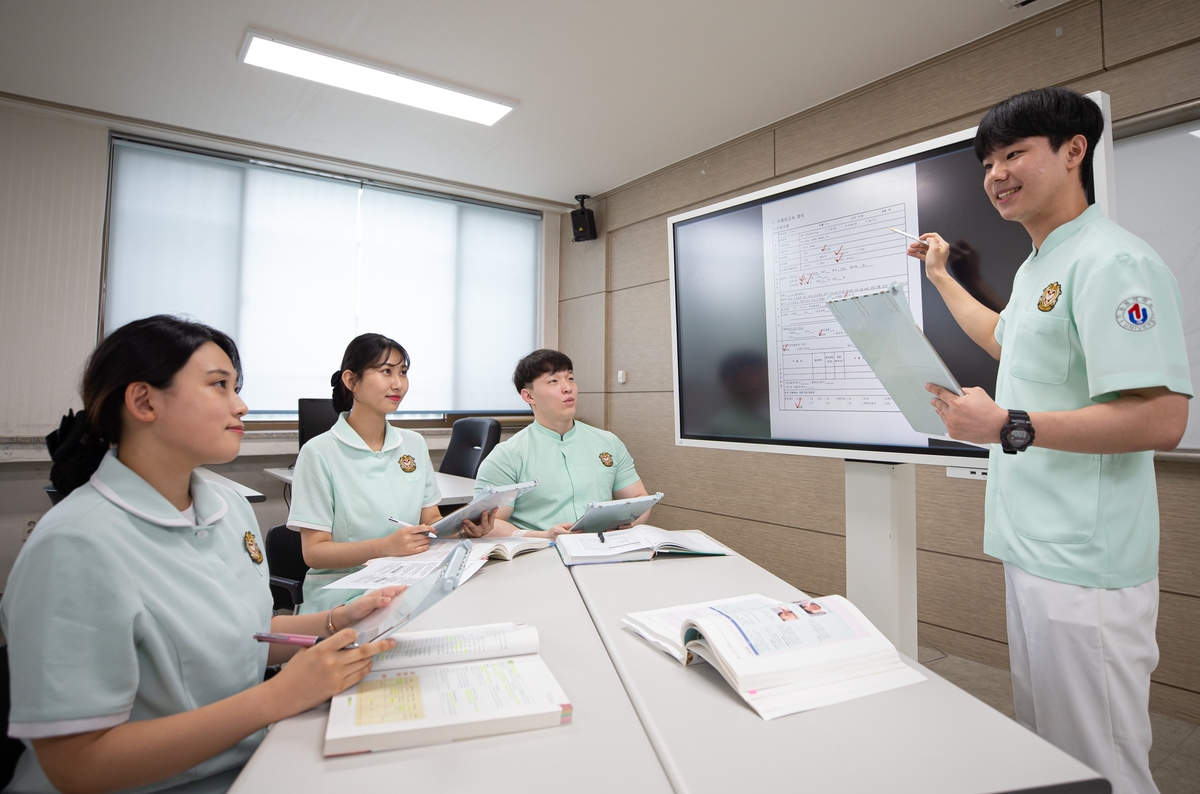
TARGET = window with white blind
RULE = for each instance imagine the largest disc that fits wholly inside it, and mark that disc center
(293, 266)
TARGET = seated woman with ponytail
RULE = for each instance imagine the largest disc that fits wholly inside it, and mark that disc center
(130, 612)
(364, 489)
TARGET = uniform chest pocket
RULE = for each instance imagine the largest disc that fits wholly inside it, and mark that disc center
(605, 477)
(1041, 349)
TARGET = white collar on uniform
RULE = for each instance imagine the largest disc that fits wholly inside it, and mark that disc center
(120, 485)
(346, 434)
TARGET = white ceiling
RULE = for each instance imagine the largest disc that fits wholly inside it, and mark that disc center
(609, 90)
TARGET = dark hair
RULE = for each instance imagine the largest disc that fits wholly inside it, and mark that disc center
(539, 363)
(364, 352)
(151, 350)
(1056, 113)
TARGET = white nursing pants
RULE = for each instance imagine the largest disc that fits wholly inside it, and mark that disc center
(1081, 662)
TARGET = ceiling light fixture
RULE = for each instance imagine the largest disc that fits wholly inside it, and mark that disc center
(302, 60)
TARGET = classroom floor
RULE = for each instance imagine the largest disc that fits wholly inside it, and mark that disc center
(1174, 756)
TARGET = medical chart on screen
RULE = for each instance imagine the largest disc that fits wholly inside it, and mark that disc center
(834, 241)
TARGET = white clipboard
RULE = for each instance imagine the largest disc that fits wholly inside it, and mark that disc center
(437, 584)
(881, 326)
(604, 516)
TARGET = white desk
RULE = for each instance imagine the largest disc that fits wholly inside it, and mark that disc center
(250, 494)
(603, 750)
(927, 737)
(455, 490)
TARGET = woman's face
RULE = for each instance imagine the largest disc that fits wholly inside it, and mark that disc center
(382, 387)
(200, 413)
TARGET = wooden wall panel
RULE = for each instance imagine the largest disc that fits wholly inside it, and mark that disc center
(743, 163)
(639, 338)
(1156, 82)
(968, 646)
(1135, 28)
(812, 561)
(1026, 55)
(583, 265)
(1178, 641)
(639, 254)
(790, 490)
(592, 408)
(53, 178)
(581, 336)
(949, 513)
(961, 594)
(1182, 704)
(1179, 525)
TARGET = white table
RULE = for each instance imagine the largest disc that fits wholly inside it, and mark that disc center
(455, 490)
(250, 494)
(927, 737)
(603, 750)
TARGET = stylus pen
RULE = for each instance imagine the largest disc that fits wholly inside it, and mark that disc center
(906, 234)
(303, 640)
(400, 523)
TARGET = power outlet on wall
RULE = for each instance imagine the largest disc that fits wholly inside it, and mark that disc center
(30, 524)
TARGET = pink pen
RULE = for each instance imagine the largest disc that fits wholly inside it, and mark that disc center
(303, 640)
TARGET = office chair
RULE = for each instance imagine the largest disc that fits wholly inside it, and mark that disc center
(471, 439)
(10, 749)
(285, 557)
(55, 496)
(315, 417)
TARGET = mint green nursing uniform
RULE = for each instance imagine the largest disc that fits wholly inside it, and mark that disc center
(1093, 312)
(121, 609)
(586, 464)
(342, 486)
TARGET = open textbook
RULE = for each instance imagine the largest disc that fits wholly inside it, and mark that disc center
(395, 571)
(449, 684)
(782, 657)
(635, 545)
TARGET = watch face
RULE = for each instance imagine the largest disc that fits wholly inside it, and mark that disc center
(1018, 436)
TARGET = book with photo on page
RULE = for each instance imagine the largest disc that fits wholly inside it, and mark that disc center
(395, 571)
(445, 685)
(782, 657)
(636, 544)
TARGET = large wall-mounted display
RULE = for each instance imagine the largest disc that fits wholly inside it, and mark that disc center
(760, 363)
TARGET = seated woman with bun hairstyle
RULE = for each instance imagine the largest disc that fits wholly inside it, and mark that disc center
(130, 613)
(364, 489)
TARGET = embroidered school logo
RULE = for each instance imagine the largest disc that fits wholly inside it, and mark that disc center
(606, 459)
(1136, 314)
(408, 463)
(1050, 296)
(252, 548)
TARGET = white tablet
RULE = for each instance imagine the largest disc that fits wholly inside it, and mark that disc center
(604, 516)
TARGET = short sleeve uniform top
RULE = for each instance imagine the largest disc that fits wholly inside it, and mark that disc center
(119, 608)
(585, 464)
(342, 486)
(1094, 311)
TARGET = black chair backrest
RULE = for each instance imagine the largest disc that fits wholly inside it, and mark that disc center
(55, 496)
(315, 417)
(471, 439)
(285, 557)
(10, 749)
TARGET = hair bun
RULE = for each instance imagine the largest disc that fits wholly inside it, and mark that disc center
(335, 379)
(71, 430)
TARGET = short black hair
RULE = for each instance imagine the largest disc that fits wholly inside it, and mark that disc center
(1056, 113)
(539, 363)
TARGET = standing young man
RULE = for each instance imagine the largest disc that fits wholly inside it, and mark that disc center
(1093, 379)
(576, 463)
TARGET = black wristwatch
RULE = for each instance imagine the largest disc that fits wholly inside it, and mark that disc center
(1017, 434)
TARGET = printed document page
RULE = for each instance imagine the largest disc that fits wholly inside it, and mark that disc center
(443, 646)
(834, 241)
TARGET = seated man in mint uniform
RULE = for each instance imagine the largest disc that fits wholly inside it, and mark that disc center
(575, 463)
(1093, 379)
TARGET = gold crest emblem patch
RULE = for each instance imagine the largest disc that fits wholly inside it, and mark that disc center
(252, 548)
(1050, 296)
(606, 459)
(408, 463)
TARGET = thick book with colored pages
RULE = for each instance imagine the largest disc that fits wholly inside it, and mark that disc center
(782, 657)
(446, 685)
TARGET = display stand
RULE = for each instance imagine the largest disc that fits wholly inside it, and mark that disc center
(881, 548)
